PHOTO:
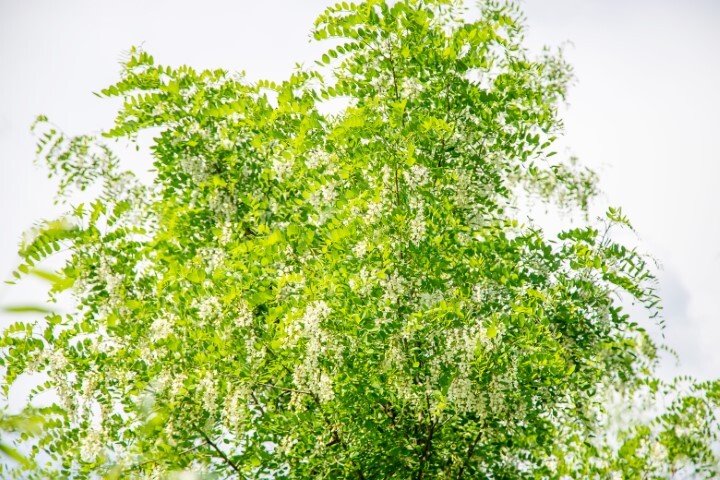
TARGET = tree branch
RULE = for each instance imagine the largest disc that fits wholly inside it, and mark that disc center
(220, 453)
(471, 451)
(426, 450)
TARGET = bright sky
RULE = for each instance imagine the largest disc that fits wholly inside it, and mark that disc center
(644, 111)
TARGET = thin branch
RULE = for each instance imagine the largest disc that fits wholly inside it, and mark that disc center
(257, 402)
(220, 453)
(157, 460)
(471, 451)
(426, 451)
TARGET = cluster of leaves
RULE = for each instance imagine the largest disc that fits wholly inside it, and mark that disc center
(304, 294)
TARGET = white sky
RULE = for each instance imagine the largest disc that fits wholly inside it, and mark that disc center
(645, 111)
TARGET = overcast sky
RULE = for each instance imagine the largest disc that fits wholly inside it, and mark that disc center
(645, 111)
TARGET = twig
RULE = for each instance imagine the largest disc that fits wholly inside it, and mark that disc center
(471, 450)
(221, 453)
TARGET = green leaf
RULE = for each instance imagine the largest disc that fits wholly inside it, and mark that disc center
(27, 309)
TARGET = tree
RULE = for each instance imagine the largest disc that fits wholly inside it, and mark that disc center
(329, 277)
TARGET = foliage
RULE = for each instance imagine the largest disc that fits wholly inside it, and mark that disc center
(329, 277)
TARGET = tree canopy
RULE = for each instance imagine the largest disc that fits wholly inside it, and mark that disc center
(331, 276)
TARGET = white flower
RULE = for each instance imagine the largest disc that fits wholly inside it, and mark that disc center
(328, 193)
(226, 233)
(244, 316)
(324, 388)
(394, 357)
(188, 93)
(657, 452)
(317, 158)
(92, 445)
(314, 314)
(209, 390)
(360, 249)
(362, 285)
(208, 307)
(58, 361)
(497, 397)
(88, 385)
(394, 286)
(162, 381)
(417, 205)
(319, 220)
(108, 278)
(387, 174)
(286, 444)
(374, 211)
(177, 385)
(196, 168)
(281, 169)
(234, 408)
(478, 293)
(417, 176)
(161, 328)
(227, 144)
(284, 269)
(212, 257)
(429, 299)
(411, 85)
(461, 394)
(223, 205)
(417, 230)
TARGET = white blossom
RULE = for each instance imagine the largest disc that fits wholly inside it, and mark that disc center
(478, 293)
(108, 278)
(91, 445)
(58, 360)
(360, 248)
(234, 409)
(281, 169)
(417, 229)
(497, 397)
(208, 307)
(317, 158)
(428, 299)
(209, 391)
(417, 176)
(315, 313)
(226, 233)
(187, 93)
(286, 444)
(196, 168)
(244, 316)
(374, 211)
(324, 388)
(328, 193)
(177, 385)
(162, 381)
(213, 257)
(161, 328)
(362, 284)
(411, 85)
(394, 287)
(387, 174)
